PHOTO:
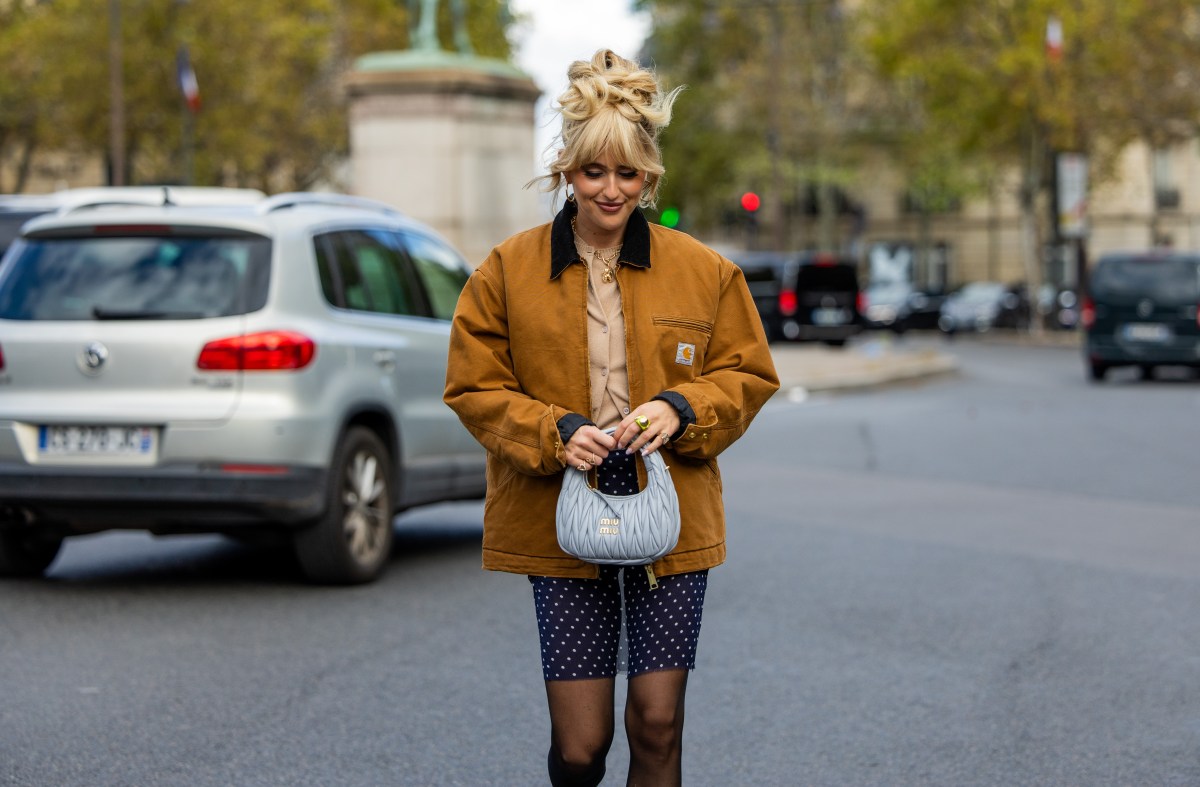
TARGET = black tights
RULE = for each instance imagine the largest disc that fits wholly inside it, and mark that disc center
(581, 722)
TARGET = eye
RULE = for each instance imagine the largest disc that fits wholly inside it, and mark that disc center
(593, 173)
(629, 174)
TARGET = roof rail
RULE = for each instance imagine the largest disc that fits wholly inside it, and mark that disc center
(72, 200)
(299, 198)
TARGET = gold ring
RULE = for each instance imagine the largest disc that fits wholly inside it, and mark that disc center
(583, 467)
(593, 459)
(665, 438)
(643, 423)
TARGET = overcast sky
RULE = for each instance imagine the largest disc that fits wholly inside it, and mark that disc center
(557, 32)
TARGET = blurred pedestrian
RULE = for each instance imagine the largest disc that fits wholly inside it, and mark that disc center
(595, 321)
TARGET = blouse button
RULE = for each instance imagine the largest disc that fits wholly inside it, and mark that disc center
(625, 411)
(604, 371)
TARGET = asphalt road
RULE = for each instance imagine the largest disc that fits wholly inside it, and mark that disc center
(984, 579)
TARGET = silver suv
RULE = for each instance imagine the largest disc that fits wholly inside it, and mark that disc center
(247, 369)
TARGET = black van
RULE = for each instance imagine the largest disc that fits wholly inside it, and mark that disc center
(803, 296)
(1141, 310)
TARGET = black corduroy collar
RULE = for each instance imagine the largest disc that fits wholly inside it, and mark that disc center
(635, 246)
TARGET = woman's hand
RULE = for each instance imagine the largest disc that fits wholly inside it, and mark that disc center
(588, 447)
(648, 428)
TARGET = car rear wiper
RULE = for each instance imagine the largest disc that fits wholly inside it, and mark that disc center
(130, 314)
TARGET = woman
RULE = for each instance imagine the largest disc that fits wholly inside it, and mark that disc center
(600, 321)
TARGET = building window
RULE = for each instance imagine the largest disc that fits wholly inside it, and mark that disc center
(1166, 192)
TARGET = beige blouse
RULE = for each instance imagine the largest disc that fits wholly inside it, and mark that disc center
(606, 340)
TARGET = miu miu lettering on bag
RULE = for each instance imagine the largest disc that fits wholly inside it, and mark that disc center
(685, 353)
(610, 526)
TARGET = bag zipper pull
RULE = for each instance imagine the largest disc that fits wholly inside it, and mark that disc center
(650, 576)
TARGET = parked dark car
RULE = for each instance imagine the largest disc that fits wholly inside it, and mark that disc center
(1141, 310)
(983, 305)
(899, 306)
(803, 296)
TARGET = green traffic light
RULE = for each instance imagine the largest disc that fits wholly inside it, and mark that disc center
(670, 218)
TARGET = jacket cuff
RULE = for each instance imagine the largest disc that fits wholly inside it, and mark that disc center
(569, 424)
(687, 416)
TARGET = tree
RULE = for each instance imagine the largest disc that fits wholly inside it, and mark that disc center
(771, 106)
(273, 113)
(983, 78)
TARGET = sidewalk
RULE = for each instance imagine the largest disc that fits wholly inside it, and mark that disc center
(880, 358)
(865, 363)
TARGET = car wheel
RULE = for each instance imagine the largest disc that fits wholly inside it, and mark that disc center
(835, 342)
(1096, 371)
(352, 541)
(24, 552)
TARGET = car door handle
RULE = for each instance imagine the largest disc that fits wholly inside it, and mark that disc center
(386, 359)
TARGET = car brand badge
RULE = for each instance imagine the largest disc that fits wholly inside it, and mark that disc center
(1145, 308)
(92, 358)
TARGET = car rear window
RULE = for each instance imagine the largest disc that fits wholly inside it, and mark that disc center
(827, 277)
(135, 278)
(1165, 279)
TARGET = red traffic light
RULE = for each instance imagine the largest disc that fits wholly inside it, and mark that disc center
(750, 201)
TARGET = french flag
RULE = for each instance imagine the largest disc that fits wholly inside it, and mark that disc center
(187, 80)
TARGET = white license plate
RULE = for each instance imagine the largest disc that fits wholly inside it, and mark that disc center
(830, 316)
(1146, 332)
(97, 441)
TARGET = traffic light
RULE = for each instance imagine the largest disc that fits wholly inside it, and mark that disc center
(669, 218)
(750, 202)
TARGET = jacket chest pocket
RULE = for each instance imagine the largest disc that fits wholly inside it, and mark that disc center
(682, 343)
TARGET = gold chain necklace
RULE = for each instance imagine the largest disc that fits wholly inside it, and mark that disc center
(608, 259)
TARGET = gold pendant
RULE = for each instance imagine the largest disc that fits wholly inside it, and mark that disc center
(608, 276)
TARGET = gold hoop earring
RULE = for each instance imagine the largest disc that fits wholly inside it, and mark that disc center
(571, 198)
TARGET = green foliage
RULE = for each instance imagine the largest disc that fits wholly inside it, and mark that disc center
(979, 75)
(270, 75)
(768, 106)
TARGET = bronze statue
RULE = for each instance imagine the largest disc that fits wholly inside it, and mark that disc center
(423, 29)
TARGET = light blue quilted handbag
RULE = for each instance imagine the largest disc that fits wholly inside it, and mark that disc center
(622, 530)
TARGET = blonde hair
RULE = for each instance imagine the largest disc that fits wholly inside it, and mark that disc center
(614, 106)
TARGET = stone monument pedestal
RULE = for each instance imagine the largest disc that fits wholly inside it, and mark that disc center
(447, 139)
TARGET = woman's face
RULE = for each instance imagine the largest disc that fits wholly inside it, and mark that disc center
(607, 193)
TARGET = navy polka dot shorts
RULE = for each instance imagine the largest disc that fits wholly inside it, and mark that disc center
(579, 620)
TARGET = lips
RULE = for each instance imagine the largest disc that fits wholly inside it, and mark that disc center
(609, 207)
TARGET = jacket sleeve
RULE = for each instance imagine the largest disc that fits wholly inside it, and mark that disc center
(738, 376)
(482, 388)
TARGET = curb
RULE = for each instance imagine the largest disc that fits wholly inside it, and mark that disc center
(803, 369)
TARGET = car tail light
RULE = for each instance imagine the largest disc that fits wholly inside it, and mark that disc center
(787, 302)
(1087, 313)
(268, 351)
(1, 359)
(860, 302)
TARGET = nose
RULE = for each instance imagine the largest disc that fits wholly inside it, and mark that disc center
(610, 191)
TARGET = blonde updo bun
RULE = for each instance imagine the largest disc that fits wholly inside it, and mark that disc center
(612, 105)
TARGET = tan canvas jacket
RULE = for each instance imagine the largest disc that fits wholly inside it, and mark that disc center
(519, 362)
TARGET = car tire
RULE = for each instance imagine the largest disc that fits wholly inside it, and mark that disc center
(26, 553)
(351, 542)
(1147, 370)
(1096, 371)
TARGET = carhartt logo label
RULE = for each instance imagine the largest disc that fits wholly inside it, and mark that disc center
(609, 526)
(684, 353)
